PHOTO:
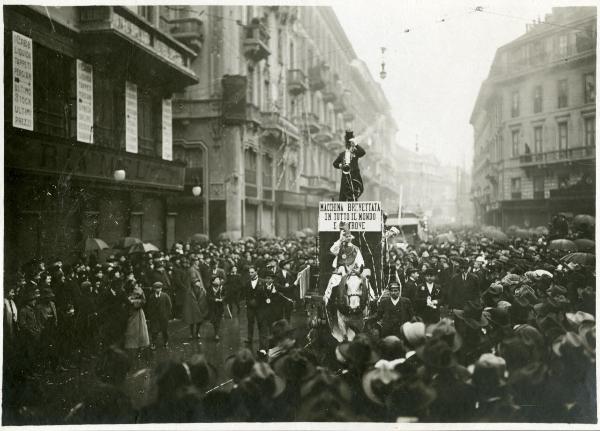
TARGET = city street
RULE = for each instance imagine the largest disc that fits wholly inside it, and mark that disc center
(58, 392)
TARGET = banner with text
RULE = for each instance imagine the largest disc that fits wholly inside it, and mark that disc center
(358, 216)
(85, 102)
(167, 130)
(22, 58)
(131, 118)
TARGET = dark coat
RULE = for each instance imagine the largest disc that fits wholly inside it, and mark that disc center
(351, 186)
(257, 298)
(409, 290)
(286, 283)
(428, 314)
(29, 323)
(158, 311)
(393, 316)
(460, 290)
(163, 277)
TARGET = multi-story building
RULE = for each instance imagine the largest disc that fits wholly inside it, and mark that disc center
(278, 87)
(534, 124)
(87, 132)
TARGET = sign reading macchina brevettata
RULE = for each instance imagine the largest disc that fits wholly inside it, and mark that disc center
(131, 118)
(85, 102)
(358, 216)
(167, 130)
(22, 58)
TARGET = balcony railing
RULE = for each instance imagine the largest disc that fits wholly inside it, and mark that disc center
(324, 134)
(317, 77)
(558, 156)
(256, 41)
(189, 31)
(296, 82)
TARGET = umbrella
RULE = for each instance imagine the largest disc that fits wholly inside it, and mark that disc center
(308, 231)
(489, 228)
(512, 229)
(497, 236)
(443, 238)
(93, 244)
(127, 242)
(299, 234)
(144, 247)
(227, 235)
(562, 244)
(541, 230)
(199, 237)
(523, 233)
(584, 219)
(249, 238)
(580, 258)
(584, 244)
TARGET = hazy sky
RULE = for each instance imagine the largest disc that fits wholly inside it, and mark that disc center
(434, 71)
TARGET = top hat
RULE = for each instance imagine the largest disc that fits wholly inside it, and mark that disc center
(348, 135)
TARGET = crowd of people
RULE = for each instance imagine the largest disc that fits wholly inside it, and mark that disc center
(467, 329)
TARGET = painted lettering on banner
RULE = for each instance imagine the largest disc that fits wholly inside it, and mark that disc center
(22, 57)
(131, 118)
(85, 102)
(358, 216)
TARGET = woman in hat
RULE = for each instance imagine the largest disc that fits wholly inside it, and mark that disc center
(136, 333)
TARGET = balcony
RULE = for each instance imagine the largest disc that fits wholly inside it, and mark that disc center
(316, 76)
(256, 41)
(559, 156)
(296, 82)
(341, 102)
(189, 31)
(278, 126)
(319, 184)
(324, 134)
(307, 122)
(290, 199)
(329, 93)
(130, 45)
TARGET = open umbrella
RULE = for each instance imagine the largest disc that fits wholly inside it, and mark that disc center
(445, 237)
(562, 244)
(512, 229)
(523, 233)
(144, 247)
(308, 231)
(541, 230)
(201, 238)
(586, 245)
(580, 258)
(584, 219)
(249, 238)
(298, 234)
(127, 242)
(93, 244)
(497, 236)
(227, 235)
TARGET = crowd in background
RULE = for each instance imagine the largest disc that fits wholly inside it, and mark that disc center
(491, 330)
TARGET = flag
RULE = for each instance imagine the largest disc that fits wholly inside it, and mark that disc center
(303, 281)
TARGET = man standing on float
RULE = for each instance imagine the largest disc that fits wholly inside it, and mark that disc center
(351, 186)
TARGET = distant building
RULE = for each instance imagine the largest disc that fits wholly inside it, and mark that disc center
(534, 124)
(278, 87)
(87, 95)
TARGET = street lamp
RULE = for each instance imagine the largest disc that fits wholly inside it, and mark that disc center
(197, 189)
(119, 174)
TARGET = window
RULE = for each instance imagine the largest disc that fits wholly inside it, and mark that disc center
(250, 86)
(280, 46)
(147, 12)
(537, 99)
(584, 40)
(267, 172)
(515, 143)
(589, 80)
(538, 142)
(108, 115)
(562, 45)
(590, 132)
(538, 187)
(515, 188)
(250, 173)
(292, 177)
(515, 104)
(51, 73)
(563, 138)
(563, 93)
(149, 123)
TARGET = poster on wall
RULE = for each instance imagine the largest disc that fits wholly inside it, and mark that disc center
(22, 59)
(131, 118)
(167, 130)
(85, 102)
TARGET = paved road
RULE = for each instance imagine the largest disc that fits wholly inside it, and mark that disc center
(52, 396)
